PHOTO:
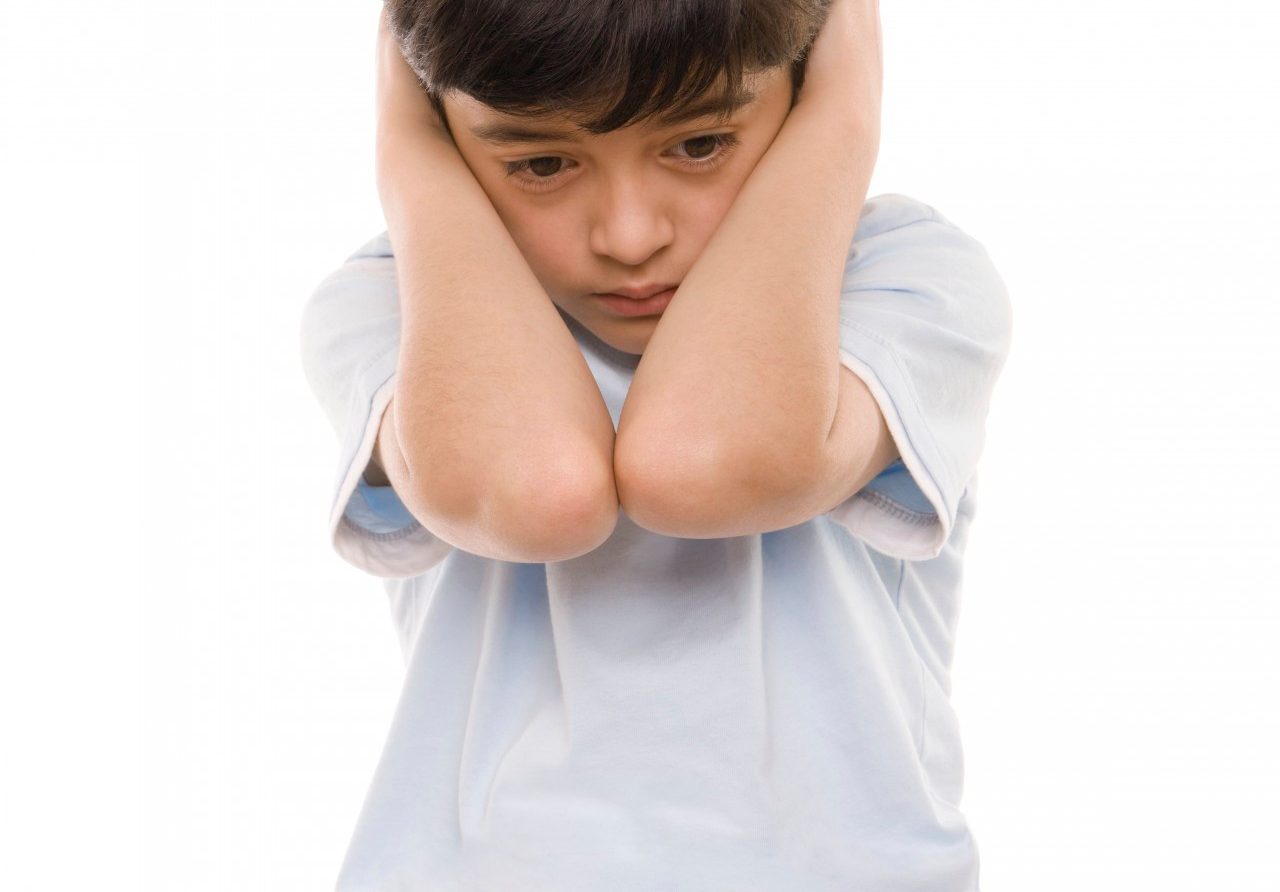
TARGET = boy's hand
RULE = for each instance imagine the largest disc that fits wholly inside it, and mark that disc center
(402, 105)
(845, 68)
(407, 125)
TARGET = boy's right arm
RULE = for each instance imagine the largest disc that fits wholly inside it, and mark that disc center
(497, 437)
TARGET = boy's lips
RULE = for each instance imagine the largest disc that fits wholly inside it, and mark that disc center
(637, 292)
(635, 306)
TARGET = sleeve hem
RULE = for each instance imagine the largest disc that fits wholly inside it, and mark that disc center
(393, 554)
(883, 523)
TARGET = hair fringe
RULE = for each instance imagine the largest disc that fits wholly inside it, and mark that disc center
(603, 63)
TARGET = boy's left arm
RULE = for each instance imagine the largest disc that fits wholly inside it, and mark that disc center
(740, 418)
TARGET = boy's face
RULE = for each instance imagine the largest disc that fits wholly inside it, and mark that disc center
(593, 213)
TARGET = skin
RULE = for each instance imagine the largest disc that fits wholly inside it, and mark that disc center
(488, 422)
(626, 207)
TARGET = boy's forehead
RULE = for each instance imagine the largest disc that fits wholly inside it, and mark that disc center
(490, 125)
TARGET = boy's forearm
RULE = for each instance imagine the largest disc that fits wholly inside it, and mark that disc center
(494, 402)
(743, 368)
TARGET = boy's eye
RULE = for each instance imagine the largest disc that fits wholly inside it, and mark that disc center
(700, 153)
(706, 145)
(544, 167)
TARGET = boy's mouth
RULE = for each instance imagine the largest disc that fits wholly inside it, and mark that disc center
(650, 304)
(639, 292)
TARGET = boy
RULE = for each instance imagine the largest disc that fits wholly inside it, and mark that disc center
(676, 576)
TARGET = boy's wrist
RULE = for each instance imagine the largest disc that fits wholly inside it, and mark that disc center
(851, 105)
(845, 130)
(409, 163)
(834, 138)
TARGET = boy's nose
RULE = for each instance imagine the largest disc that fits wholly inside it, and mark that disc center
(630, 227)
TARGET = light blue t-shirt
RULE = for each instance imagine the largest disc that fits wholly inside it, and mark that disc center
(763, 713)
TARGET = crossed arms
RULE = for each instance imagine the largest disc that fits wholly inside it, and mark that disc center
(497, 437)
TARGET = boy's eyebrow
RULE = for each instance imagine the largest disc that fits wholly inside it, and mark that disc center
(503, 134)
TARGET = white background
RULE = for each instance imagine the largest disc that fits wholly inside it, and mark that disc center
(198, 688)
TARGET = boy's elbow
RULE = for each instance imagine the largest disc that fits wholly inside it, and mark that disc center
(572, 521)
(550, 517)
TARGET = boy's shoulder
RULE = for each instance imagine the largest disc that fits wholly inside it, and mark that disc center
(377, 248)
(913, 236)
(892, 210)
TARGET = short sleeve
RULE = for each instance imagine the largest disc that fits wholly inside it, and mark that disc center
(350, 339)
(926, 323)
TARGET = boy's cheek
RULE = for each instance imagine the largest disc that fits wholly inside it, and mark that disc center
(550, 259)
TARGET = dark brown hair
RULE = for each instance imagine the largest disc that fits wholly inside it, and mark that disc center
(602, 63)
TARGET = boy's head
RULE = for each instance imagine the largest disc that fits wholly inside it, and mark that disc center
(632, 191)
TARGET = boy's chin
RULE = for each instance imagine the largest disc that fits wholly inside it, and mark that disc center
(621, 334)
(630, 337)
